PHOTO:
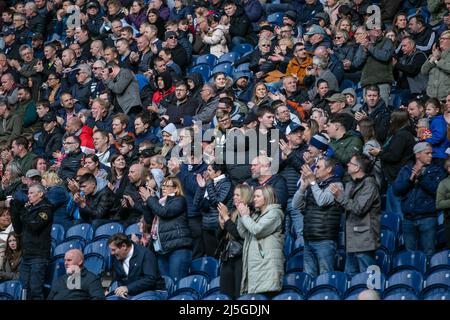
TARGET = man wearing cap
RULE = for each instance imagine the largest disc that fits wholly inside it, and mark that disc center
(417, 184)
(316, 36)
(337, 104)
(50, 139)
(94, 18)
(11, 124)
(179, 54)
(317, 148)
(11, 49)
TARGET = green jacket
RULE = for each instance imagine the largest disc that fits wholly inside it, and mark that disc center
(262, 254)
(10, 128)
(443, 197)
(439, 76)
(346, 147)
(26, 162)
(378, 67)
(437, 9)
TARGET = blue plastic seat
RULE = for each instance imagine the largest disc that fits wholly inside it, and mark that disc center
(324, 294)
(225, 67)
(387, 240)
(228, 57)
(336, 280)
(409, 279)
(299, 282)
(82, 231)
(437, 279)
(217, 296)
(11, 290)
(383, 260)
(142, 81)
(242, 67)
(194, 284)
(254, 296)
(352, 294)
(95, 264)
(62, 248)
(213, 286)
(208, 59)
(276, 18)
(99, 248)
(361, 280)
(105, 231)
(57, 233)
(206, 266)
(184, 296)
(391, 221)
(288, 296)
(437, 294)
(400, 294)
(295, 263)
(412, 260)
(440, 260)
(133, 229)
(243, 48)
(148, 295)
(54, 270)
(203, 69)
(346, 83)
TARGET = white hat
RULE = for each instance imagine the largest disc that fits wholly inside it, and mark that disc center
(172, 130)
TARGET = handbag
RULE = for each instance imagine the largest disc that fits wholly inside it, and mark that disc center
(233, 249)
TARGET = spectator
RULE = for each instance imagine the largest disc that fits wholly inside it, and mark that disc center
(9, 88)
(422, 33)
(92, 162)
(216, 37)
(240, 25)
(119, 174)
(12, 124)
(90, 284)
(181, 107)
(438, 140)
(5, 228)
(9, 269)
(442, 202)
(57, 195)
(50, 139)
(72, 158)
(262, 254)
(133, 206)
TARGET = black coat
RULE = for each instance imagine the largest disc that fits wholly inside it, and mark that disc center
(177, 112)
(173, 228)
(240, 25)
(278, 183)
(290, 168)
(143, 272)
(70, 165)
(50, 142)
(101, 205)
(381, 116)
(34, 223)
(91, 288)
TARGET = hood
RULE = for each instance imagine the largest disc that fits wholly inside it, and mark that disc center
(167, 80)
(158, 175)
(101, 184)
(197, 79)
(274, 206)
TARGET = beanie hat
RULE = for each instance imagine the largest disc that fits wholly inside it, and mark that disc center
(319, 141)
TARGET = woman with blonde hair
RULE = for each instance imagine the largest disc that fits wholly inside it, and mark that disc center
(58, 196)
(170, 233)
(230, 247)
(262, 254)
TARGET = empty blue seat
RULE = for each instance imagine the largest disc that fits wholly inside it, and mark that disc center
(206, 266)
(383, 260)
(148, 295)
(105, 231)
(387, 240)
(437, 294)
(324, 294)
(440, 260)
(297, 281)
(217, 296)
(54, 270)
(437, 279)
(400, 294)
(361, 280)
(288, 296)
(295, 263)
(95, 264)
(391, 221)
(228, 57)
(99, 247)
(331, 280)
(57, 233)
(194, 284)
(62, 248)
(242, 67)
(208, 59)
(82, 231)
(203, 69)
(133, 229)
(185, 296)
(225, 67)
(243, 48)
(276, 18)
(414, 260)
(11, 290)
(253, 296)
(409, 279)
(213, 286)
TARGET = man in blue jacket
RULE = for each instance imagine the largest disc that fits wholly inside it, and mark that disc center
(417, 183)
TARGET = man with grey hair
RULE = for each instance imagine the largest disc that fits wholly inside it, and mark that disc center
(81, 91)
(9, 88)
(96, 50)
(334, 63)
(320, 71)
(36, 22)
(207, 109)
(33, 220)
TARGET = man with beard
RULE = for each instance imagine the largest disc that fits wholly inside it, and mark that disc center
(72, 158)
(68, 68)
(26, 109)
(50, 139)
(182, 106)
(83, 39)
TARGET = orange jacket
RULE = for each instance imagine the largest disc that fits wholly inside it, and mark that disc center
(299, 70)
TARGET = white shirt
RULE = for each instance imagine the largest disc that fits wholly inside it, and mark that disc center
(126, 262)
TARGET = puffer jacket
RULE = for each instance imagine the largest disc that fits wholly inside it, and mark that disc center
(346, 147)
(217, 41)
(439, 76)
(362, 204)
(418, 197)
(173, 228)
(102, 204)
(438, 140)
(298, 69)
(381, 116)
(221, 191)
(443, 197)
(70, 165)
(322, 215)
(378, 67)
(262, 254)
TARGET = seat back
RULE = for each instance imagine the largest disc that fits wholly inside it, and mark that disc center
(439, 278)
(295, 263)
(107, 230)
(324, 294)
(82, 231)
(185, 296)
(288, 296)
(206, 266)
(57, 233)
(11, 290)
(255, 296)
(414, 260)
(391, 221)
(203, 69)
(336, 280)
(225, 67)
(217, 296)
(194, 284)
(208, 59)
(383, 260)
(229, 57)
(440, 259)
(243, 48)
(400, 294)
(387, 240)
(95, 264)
(409, 279)
(437, 294)
(148, 295)
(62, 248)
(133, 229)
(297, 281)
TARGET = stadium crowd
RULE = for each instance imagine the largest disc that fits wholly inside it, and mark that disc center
(225, 128)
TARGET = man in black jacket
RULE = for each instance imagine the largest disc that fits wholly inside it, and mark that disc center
(78, 283)
(50, 139)
(72, 160)
(33, 220)
(240, 25)
(134, 267)
(98, 206)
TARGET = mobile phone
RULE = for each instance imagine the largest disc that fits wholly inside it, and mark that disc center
(82, 194)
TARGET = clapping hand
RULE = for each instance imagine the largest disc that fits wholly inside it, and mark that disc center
(243, 210)
(200, 181)
(145, 193)
(335, 190)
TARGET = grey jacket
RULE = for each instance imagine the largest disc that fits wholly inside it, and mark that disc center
(439, 76)
(10, 128)
(362, 204)
(125, 89)
(262, 254)
(378, 67)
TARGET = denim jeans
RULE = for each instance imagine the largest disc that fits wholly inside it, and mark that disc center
(319, 257)
(356, 262)
(175, 264)
(393, 203)
(32, 276)
(293, 221)
(420, 234)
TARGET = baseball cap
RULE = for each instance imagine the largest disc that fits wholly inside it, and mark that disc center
(292, 127)
(93, 4)
(7, 31)
(421, 146)
(315, 29)
(291, 15)
(147, 153)
(33, 173)
(337, 97)
(169, 34)
(49, 117)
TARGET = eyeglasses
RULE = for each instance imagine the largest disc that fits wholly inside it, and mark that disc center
(265, 45)
(172, 37)
(337, 37)
(68, 142)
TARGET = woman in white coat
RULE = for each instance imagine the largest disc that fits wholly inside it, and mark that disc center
(216, 36)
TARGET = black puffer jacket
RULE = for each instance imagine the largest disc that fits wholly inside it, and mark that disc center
(173, 228)
(221, 191)
(290, 168)
(102, 204)
(70, 165)
(240, 25)
(381, 116)
(50, 142)
(321, 223)
(34, 223)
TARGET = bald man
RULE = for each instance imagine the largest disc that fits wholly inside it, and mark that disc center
(89, 286)
(369, 294)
